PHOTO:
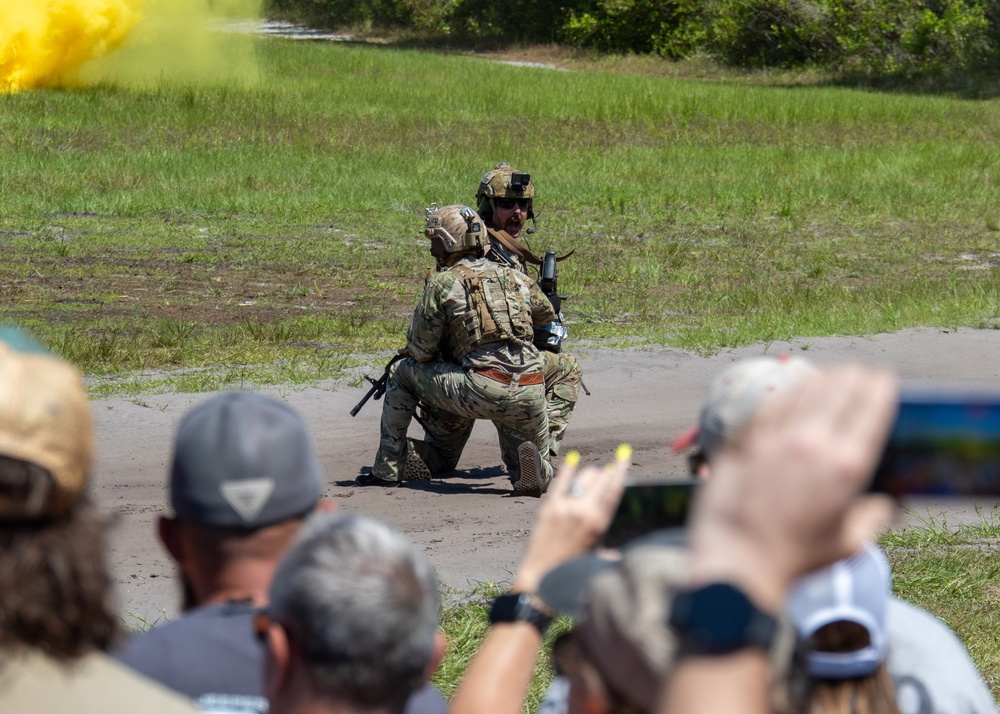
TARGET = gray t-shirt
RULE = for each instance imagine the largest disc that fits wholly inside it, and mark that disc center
(212, 655)
(930, 666)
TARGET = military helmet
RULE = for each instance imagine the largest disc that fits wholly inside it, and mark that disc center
(459, 227)
(504, 181)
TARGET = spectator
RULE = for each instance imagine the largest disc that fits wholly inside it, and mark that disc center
(924, 686)
(732, 398)
(784, 499)
(243, 480)
(570, 523)
(352, 624)
(863, 645)
(620, 649)
(56, 618)
(840, 613)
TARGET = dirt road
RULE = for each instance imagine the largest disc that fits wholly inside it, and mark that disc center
(471, 529)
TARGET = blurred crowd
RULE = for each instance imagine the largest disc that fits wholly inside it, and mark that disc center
(773, 598)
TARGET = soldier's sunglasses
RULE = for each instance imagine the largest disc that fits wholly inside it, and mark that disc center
(509, 203)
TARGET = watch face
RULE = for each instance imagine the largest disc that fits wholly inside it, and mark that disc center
(718, 619)
(721, 615)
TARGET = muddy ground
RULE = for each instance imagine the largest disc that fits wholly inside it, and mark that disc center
(468, 524)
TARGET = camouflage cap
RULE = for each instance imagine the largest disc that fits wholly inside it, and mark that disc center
(499, 183)
(459, 227)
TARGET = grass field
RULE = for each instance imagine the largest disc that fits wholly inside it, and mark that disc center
(185, 238)
(271, 232)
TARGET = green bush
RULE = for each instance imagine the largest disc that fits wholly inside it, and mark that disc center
(671, 28)
(871, 37)
(379, 14)
(513, 21)
(772, 33)
(955, 37)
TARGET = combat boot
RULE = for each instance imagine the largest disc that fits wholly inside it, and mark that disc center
(532, 481)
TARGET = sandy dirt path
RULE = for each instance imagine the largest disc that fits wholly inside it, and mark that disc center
(469, 526)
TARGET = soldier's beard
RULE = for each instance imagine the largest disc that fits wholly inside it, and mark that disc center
(513, 226)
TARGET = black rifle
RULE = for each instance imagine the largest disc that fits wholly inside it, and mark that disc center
(548, 281)
(378, 385)
(550, 336)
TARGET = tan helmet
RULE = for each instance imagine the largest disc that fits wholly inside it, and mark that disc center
(504, 181)
(459, 228)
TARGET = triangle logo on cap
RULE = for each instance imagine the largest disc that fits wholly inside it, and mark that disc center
(247, 497)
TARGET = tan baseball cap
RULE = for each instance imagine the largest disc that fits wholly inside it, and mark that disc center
(45, 420)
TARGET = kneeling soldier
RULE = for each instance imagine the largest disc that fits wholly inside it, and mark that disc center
(470, 356)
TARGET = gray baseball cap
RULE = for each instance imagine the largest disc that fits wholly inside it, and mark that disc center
(245, 460)
(735, 395)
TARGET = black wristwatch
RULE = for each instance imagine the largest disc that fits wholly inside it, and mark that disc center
(719, 619)
(519, 607)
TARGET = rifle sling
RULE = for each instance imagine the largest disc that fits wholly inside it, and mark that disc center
(520, 250)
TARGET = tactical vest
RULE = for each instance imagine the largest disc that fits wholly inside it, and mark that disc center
(491, 314)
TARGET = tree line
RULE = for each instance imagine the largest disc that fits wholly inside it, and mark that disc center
(873, 37)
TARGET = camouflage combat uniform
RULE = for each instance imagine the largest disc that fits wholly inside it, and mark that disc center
(470, 358)
(562, 371)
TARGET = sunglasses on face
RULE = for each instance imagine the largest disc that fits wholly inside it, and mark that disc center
(261, 625)
(695, 461)
(509, 203)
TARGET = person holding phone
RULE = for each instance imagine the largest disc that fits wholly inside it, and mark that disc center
(924, 663)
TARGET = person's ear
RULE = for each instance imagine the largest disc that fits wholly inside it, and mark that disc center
(169, 531)
(704, 471)
(277, 662)
(437, 654)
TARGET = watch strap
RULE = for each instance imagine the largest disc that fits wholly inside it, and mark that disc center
(520, 607)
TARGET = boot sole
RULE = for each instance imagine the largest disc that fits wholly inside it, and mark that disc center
(415, 469)
(530, 483)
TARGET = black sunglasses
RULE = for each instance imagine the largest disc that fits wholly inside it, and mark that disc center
(261, 625)
(695, 461)
(509, 203)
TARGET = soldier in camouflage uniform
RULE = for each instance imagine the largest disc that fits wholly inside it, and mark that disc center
(504, 201)
(470, 356)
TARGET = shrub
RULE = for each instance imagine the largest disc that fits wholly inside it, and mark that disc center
(671, 28)
(953, 38)
(515, 20)
(772, 33)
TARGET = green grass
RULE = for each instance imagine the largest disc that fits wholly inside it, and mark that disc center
(200, 237)
(954, 573)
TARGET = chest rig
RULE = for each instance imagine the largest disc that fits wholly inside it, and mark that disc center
(494, 311)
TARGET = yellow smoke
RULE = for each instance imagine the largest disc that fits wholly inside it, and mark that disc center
(43, 42)
(146, 43)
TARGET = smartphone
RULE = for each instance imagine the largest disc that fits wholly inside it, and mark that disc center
(945, 442)
(650, 506)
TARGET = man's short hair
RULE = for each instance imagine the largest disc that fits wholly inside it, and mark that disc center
(360, 604)
(243, 460)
